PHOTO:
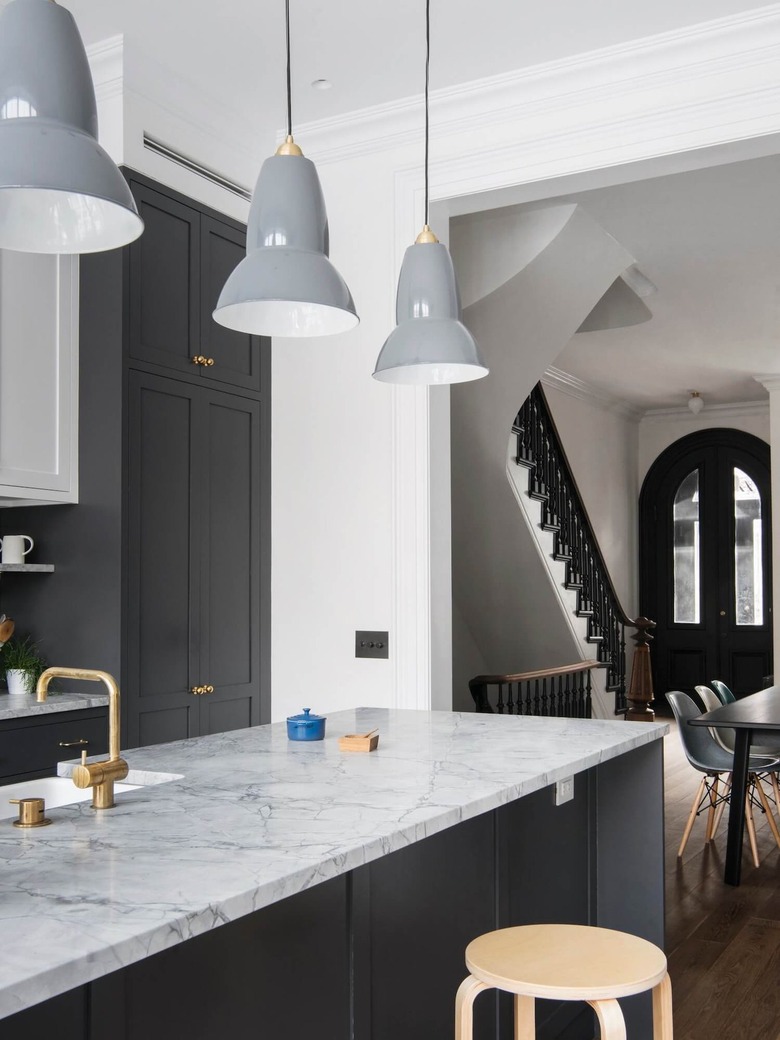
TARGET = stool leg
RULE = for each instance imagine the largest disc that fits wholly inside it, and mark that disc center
(662, 1010)
(612, 1025)
(525, 1018)
(468, 991)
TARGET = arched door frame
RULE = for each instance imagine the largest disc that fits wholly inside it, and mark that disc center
(652, 540)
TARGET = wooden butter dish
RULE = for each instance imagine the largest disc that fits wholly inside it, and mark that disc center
(359, 741)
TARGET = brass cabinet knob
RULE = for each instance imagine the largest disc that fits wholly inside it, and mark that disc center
(208, 689)
(198, 690)
(201, 359)
(208, 362)
(32, 812)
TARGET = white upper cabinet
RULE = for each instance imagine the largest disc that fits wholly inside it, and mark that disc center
(39, 315)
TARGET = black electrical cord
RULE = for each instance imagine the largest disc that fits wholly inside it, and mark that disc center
(427, 78)
(289, 87)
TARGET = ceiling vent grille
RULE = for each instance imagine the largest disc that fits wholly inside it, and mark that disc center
(195, 167)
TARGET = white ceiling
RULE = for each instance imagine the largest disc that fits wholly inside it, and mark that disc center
(710, 241)
(371, 50)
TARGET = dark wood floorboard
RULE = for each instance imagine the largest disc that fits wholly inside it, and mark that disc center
(723, 943)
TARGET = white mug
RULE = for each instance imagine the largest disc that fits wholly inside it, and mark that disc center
(13, 547)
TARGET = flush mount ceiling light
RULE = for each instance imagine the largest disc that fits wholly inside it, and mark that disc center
(286, 285)
(430, 344)
(695, 401)
(60, 192)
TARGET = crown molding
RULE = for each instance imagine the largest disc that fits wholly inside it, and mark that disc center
(732, 61)
(719, 411)
(769, 382)
(106, 62)
(557, 379)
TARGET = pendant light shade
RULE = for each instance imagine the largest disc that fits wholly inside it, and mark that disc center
(286, 285)
(430, 344)
(60, 192)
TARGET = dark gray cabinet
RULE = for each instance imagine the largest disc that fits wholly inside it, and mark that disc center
(163, 568)
(31, 747)
(177, 270)
(193, 544)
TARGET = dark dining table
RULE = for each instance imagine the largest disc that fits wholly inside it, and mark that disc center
(750, 718)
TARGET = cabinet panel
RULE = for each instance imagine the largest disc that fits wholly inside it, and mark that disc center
(31, 746)
(163, 539)
(236, 355)
(229, 465)
(38, 377)
(164, 282)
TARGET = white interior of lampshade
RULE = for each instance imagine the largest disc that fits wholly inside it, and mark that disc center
(431, 374)
(44, 220)
(285, 318)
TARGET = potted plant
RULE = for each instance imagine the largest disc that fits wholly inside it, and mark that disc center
(23, 665)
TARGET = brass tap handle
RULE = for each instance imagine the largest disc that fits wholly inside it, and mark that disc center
(32, 812)
(81, 742)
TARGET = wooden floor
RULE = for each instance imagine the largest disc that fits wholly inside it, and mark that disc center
(723, 943)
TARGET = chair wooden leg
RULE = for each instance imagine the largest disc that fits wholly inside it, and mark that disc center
(525, 1018)
(768, 810)
(691, 818)
(775, 789)
(724, 799)
(467, 993)
(751, 828)
(662, 1010)
(612, 1025)
(713, 791)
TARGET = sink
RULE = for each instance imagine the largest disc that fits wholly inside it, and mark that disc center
(60, 790)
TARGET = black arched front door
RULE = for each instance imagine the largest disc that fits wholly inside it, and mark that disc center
(705, 561)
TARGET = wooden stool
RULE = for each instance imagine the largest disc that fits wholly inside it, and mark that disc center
(565, 962)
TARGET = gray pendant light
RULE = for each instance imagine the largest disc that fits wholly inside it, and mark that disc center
(286, 285)
(60, 192)
(430, 344)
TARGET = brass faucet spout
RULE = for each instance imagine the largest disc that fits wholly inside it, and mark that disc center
(100, 776)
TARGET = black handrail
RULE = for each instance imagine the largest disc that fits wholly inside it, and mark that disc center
(551, 481)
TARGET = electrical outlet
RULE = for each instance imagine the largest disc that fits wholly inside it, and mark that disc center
(371, 644)
(564, 790)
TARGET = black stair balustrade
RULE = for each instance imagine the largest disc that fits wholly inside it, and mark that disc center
(564, 692)
(551, 482)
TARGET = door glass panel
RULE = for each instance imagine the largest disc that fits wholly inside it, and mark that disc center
(748, 564)
(687, 552)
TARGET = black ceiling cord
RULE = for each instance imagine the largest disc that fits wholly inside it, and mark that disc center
(427, 78)
(289, 88)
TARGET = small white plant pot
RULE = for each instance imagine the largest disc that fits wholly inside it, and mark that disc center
(19, 682)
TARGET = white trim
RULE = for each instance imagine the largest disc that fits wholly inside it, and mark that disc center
(770, 383)
(630, 83)
(568, 384)
(719, 411)
(106, 62)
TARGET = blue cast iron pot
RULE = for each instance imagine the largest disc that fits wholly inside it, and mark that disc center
(306, 726)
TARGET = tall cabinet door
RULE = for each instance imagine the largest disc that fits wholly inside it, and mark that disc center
(236, 355)
(164, 540)
(228, 453)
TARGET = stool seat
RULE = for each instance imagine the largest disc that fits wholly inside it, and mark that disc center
(566, 962)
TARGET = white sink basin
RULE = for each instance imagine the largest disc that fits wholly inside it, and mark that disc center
(60, 790)
(55, 790)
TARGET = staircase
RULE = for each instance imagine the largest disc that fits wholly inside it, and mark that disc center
(571, 542)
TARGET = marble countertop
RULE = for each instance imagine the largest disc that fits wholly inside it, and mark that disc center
(255, 818)
(21, 707)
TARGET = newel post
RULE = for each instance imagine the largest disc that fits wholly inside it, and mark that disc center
(640, 690)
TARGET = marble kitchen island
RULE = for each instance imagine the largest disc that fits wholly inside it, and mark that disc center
(284, 890)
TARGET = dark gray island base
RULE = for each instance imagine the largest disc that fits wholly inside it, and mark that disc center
(376, 953)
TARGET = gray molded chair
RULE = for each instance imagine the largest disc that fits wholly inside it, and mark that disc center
(723, 692)
(772, 750)
(709, 758)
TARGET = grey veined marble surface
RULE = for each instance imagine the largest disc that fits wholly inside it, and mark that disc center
(255, 818)
(21, 707)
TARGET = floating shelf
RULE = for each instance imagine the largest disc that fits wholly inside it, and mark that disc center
(26, 568)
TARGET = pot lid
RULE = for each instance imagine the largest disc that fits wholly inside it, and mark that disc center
(306, 717)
